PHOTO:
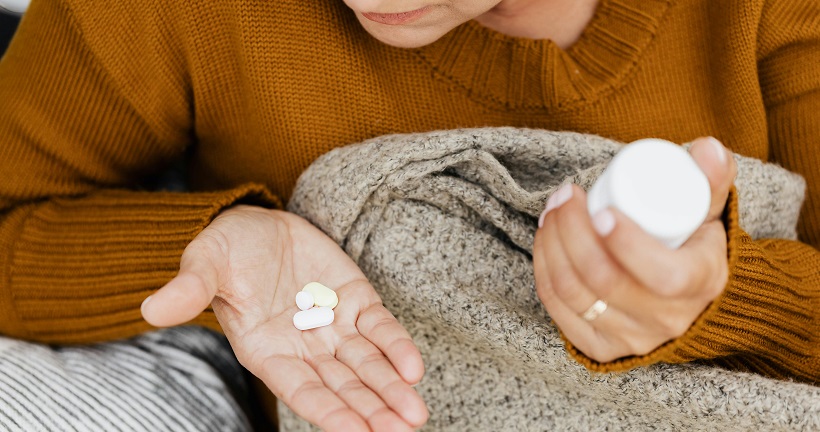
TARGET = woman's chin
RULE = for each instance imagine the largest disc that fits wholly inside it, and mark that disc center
(401, 36)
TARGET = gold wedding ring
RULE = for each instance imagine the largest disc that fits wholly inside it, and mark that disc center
(594, 311)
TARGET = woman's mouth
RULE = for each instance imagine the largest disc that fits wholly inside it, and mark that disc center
(396, 18)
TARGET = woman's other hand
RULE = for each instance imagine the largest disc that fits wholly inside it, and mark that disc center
(653, 294)
(353, 375)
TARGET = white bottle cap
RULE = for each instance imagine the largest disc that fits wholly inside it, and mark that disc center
(658, 185)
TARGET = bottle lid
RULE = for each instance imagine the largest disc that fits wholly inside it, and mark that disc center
(658, 185)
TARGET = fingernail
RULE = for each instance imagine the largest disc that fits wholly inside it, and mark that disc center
(562, 195)
(719, 149)
(541, 218)
(145, 302)
(603, 222)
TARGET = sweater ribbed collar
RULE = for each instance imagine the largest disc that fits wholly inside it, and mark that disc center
(518, 73)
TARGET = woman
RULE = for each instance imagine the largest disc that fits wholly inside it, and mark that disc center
(99, 98)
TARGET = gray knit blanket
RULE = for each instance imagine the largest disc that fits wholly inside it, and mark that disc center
(442, 223)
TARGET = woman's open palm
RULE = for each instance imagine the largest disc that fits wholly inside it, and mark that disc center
(249, 263)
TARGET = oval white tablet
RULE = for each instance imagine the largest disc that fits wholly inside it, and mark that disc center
(313, 318)
(322, 295)
(304, 300)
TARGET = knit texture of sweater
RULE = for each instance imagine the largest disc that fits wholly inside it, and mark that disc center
(100, 96)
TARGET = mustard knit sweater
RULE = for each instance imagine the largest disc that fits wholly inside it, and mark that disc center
(97, 97)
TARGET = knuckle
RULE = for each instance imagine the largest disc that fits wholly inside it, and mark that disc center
(394, 387)
(352, 386)
(566, 288)
(371, 358)
(303, 391)
(384, 323)
(639, 345)
(347, 341)
(592, 351)
(257, 360)
(673, 326)
(602, 354)
(644, 347)
(599, 273)
(712, 280)
(675, 281)
(599, 349)
(341, 418)
(381, 411)
(321, 361)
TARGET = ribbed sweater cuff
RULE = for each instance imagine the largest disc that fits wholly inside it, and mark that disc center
(81, 267)
(765, 321)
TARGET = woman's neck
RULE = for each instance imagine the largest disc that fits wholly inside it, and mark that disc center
(561, 21)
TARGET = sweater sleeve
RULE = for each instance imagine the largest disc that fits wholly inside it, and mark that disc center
(768, 318)
(80, 245)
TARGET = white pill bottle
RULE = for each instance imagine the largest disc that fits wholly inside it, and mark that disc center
(658, 185)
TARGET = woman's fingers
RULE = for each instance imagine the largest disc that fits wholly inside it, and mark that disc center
(600, 274)
(650, 289)
(303, 391)
(381, 328)
(566, 298)
(585, 250)
(695, 271)
(341, 380)
(647, 260)
(580, 333)
(377, 373)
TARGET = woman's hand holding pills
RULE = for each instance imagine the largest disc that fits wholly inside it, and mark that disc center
(652, 294)
(249, 264)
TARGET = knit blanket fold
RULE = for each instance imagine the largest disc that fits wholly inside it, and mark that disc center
(442, 223)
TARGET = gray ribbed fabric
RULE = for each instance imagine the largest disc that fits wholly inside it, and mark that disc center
(443, 223)
(181, 379)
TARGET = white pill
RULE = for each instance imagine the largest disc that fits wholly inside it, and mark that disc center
(659, 186)
(322, 295)
(313, 318)
(304, 300)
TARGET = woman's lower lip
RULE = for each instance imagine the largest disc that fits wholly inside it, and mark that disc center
(396, 18)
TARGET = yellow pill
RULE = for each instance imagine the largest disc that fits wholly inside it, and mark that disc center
(322, 295)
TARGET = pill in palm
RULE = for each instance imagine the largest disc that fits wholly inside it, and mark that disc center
(313, 318)
(304, 300)
(322, 295)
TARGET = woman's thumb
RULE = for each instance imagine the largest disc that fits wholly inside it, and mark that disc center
(719, 166)
(185, 296)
